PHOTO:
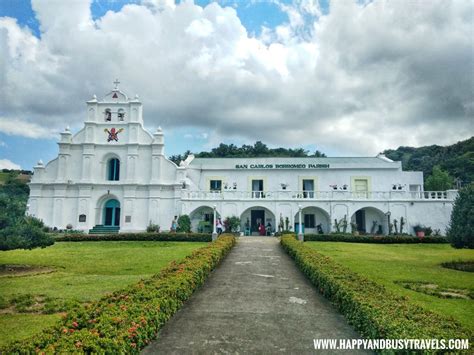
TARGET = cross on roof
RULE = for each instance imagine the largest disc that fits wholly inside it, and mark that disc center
(116, 82)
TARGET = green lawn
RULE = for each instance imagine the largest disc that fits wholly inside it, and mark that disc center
(84, 271)
(387, 263)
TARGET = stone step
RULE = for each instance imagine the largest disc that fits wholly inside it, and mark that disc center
(101, 229)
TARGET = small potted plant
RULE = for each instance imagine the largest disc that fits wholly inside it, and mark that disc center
(419, 230)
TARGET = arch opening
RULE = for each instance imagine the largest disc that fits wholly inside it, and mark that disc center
(257, 221)
(202, 219)
(314, 220)
(369, 220)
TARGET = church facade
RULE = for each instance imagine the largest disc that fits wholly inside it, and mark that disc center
(113, 175)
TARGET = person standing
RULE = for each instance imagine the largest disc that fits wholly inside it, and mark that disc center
(219, 226)
(174, 225)
(269, 229)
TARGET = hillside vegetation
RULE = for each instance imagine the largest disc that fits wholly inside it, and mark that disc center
(456, 159)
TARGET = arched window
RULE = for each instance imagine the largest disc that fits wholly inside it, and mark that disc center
(113, 170)
(121, 114)
(108, 114)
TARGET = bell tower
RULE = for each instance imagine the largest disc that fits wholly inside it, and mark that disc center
(114, 108)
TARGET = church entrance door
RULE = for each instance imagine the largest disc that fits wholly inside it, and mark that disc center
(112, 213)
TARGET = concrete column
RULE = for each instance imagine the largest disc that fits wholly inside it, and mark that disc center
(300, 227)
(214, 231)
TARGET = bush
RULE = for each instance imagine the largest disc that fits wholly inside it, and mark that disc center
(381, 239)
(158, 237)
(153, 228)
(232, 224)
(127, 320)
(25, 233)
(461, 227)
(372, 309)
(184, 224)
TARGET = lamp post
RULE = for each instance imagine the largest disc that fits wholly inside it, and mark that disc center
(214, 231)
(300, 227)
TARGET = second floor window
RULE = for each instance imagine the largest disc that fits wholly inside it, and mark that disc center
(215, 185)
(113, 170)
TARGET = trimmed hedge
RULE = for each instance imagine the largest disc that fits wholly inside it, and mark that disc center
(372, 309)
(158, 237)
(381, 239)
(127, 320)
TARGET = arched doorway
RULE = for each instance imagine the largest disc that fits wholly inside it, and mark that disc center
(111, 213)
(370, 220)
(202, 219)
(314, 220)
(252, 217)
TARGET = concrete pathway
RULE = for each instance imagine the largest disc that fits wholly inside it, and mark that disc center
(256, 301)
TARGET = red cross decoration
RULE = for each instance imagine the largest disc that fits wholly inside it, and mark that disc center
(113, 134)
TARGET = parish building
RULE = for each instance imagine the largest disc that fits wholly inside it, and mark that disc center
(113, 175)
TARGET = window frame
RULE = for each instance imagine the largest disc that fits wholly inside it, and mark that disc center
(113, 169)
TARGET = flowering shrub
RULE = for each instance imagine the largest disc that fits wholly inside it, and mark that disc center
(127, 320)
(370, 308)
(381, 239)
(158, 237)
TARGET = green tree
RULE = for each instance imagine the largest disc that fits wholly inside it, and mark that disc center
(232, 224)
(439, 180)
(18, 231)
(184, 224)
(26, 233)
(461, 227)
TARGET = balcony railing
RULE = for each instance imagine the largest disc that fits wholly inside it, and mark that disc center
(318, 195)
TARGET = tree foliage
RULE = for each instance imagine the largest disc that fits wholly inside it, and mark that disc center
(259, 149)
(18, 231)
(439, 180)
(457, 159)
(232, 224)
(184, 224)
(461, 227)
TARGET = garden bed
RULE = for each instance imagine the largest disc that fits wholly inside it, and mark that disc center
(382, 239)
(127, 320)
(157, 237)
(372, 309)
(466, 266)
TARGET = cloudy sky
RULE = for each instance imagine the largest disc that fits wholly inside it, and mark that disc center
(345, 77)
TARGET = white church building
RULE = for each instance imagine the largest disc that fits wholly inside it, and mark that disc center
(113, 175)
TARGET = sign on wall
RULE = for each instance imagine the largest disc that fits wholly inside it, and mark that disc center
(282, 166)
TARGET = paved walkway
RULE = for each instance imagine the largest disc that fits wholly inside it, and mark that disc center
(256, 301)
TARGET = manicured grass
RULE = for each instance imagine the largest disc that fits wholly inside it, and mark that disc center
(387, 264)
(85, 271)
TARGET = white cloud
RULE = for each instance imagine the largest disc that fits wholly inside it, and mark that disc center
(20, 128)
(7, 164)
(360, 79)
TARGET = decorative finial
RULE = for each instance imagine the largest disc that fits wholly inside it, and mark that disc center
(116, 82)
(159, 129)
(40, 162)
(94, 97)
(136, 97)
